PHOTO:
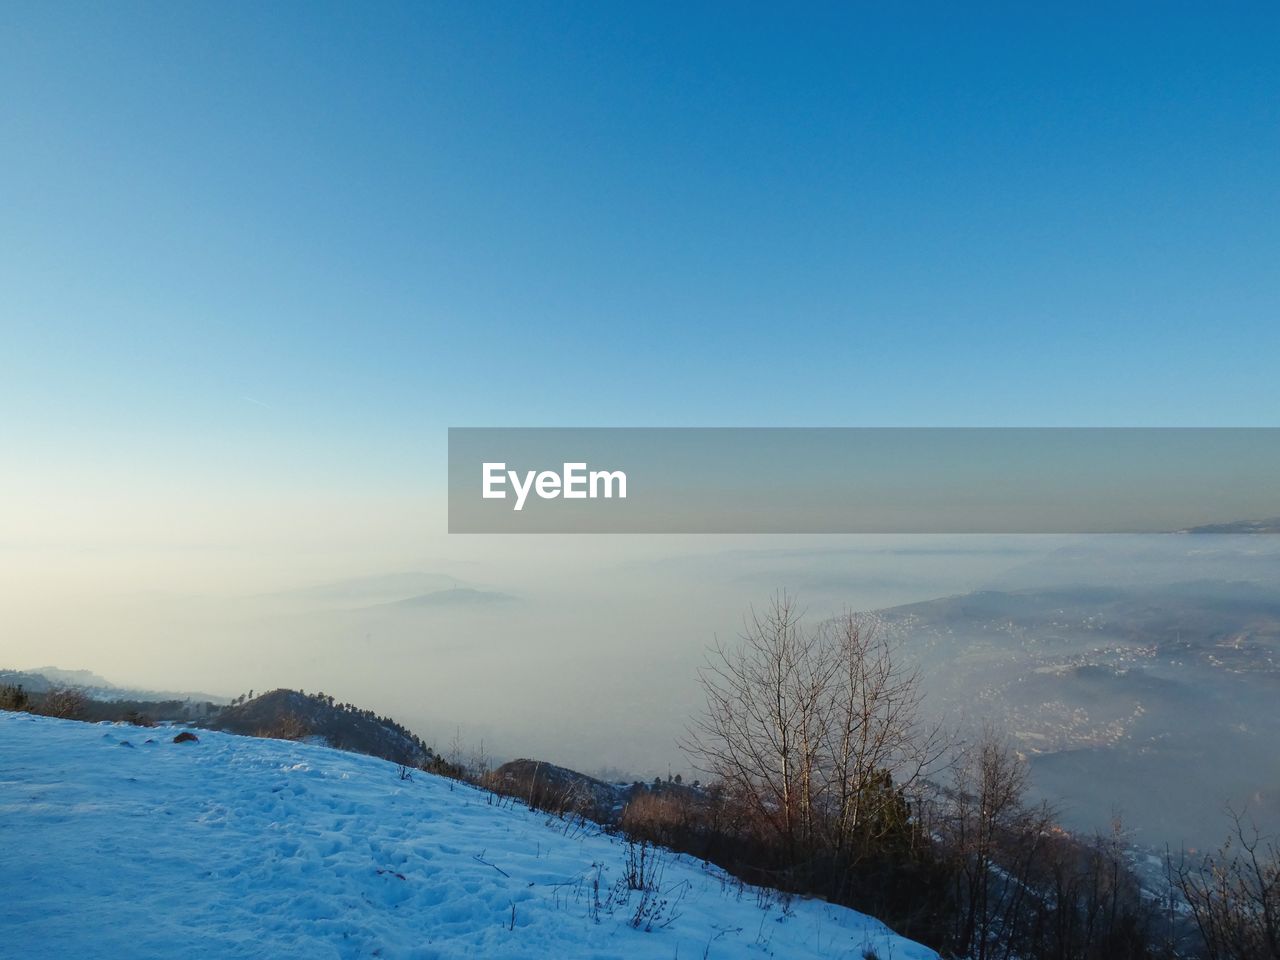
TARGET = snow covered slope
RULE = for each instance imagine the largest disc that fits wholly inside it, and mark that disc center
(112, 846)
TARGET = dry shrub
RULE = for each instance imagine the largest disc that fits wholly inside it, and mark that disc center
(667, 819)
(13, 697)
(288, 727)
(65, 703)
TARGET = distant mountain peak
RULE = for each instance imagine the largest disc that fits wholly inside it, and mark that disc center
(78, 678)
(1238, 526)
(453, 597)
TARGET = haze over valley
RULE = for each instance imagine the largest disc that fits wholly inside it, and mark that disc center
(1138, 673)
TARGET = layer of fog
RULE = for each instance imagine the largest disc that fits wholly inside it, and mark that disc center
(582, 651)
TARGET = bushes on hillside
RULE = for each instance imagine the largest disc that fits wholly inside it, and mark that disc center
(825, 783)
(289, 726)
(65, 702)
(1234, 895)
(1021, 887)
(13, 697)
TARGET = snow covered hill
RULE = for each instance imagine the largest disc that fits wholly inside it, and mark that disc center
(117, 842)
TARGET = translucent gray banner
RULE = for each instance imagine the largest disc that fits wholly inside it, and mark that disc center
(861, 480)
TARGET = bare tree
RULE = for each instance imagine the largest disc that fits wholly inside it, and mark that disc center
(65, 702)
(758, 734)
(818, 730)
(1234, 895)
(995, 839)
(1089, 904)
(478, 764)
(455, 754)
(823, 767)
(872, 724)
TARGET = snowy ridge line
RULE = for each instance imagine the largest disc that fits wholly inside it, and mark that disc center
(117, 842)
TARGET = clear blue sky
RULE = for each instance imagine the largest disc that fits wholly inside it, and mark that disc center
(294, 234)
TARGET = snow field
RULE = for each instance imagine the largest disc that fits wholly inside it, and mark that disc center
(237, 847)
